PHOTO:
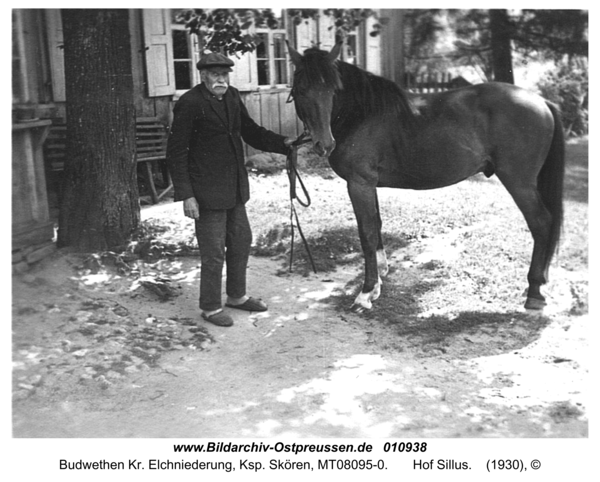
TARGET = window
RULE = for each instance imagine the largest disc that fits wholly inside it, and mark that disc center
(19, 78)
(185, 57)
(262, 59)
(31, 81)
(352, 50)
(265, 67)
(349, 50)
(271, 58)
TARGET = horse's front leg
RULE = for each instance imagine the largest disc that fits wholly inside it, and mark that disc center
(364, 202)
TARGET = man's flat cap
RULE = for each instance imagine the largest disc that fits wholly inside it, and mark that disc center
(214, 60)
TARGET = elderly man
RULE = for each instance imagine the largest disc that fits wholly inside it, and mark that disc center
(206, 161)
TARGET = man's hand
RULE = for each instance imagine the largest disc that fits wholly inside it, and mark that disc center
(288, 141)
(190, 208)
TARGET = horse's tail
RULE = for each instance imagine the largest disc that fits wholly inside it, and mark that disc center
(550, 183)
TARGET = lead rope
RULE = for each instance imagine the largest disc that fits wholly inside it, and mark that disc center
(292, 171)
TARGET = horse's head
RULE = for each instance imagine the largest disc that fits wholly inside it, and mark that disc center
(316, 80)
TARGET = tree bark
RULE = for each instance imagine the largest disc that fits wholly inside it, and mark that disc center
(501, 46)
(100, 206)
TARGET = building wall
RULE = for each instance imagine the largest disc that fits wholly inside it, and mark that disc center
(32, 230)
(271, 110)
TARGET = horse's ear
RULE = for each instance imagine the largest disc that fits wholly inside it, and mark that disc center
(294, 54)
(335, 51)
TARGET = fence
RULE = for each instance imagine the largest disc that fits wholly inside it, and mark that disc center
(430, 82)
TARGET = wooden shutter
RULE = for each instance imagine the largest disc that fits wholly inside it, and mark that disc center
(373, 49)
(326, 32)
(158, 45)
(306, 35)
(244, 75)
(54, 32)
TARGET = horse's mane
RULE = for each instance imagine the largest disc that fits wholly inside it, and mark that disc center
(360, 95)
(367, 95)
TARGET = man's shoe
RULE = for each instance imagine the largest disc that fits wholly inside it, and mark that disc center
(251, 304)
(219, 319)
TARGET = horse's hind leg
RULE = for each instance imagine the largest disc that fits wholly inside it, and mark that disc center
(364, 202)
(539, 221)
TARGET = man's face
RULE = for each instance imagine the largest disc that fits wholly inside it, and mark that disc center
(216, 80)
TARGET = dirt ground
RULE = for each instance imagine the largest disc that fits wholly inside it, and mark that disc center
(105, 353)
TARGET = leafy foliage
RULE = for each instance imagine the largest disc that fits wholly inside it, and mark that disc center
(232, 31)
(568, 87)
(554, 33)
(534, 34)
(228, 31)
(347, 20)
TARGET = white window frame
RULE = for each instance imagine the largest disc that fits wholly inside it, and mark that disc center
(245, 75)
(193, 50)
(359, 56)
(271, 58)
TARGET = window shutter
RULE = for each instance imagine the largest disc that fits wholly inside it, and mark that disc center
(306, 35)
(244, 75)
(373, 47)
(54, 32)
(158, 44)
(326, 32)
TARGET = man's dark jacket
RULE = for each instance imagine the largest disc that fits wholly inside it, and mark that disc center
(205, 153)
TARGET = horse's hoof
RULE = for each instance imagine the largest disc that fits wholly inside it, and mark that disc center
(534, 304)
(362, 302)
(358, 309)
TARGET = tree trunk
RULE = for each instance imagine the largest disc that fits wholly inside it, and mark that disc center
(100, 206)
(501, 48)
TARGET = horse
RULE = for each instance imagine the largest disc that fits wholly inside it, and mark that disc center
(375, 137)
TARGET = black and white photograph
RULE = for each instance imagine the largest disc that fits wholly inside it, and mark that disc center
(300, 242)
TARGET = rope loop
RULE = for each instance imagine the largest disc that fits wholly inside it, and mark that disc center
(293, 175)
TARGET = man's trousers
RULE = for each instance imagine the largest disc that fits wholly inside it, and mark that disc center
(224, 236)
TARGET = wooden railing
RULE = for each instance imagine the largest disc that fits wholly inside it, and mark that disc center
(431, 82)
(151, 151)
